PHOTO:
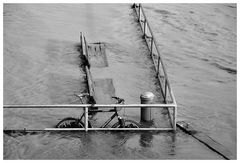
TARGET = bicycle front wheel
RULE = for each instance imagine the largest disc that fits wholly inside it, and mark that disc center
(70, 123)
(128, 124)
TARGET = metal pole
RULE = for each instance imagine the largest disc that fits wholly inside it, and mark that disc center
(81, 38)
(83, 45)
(131, 129)
(144, 28)
(165, 93)
(81, 42)
(139, 11)
(100, 129)
(174, 117)
(158, 65)
(86, 48)
(151, 46)
(86, 118)
(158, 51)
(65, 106)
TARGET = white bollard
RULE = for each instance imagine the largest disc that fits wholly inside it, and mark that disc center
(146, 112)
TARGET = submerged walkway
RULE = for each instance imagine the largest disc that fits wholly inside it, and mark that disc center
(111, 77)
(123, 79)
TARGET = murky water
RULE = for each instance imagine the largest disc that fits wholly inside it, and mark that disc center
(104, 145)
(41, 66)
(199, 46)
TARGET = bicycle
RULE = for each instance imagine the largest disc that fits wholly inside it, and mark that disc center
(71, 122)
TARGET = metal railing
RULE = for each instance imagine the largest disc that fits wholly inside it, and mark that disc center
(155, 54)
(161, 73)
(86, 108)
(84, 48)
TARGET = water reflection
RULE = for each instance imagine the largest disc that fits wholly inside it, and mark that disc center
(146, 139)
(172, 143)
(153, 140)
(101, 145)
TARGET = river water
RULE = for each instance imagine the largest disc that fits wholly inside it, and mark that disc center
(198, 45)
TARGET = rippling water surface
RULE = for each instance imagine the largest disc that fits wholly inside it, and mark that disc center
(198, 45)
(198, 42)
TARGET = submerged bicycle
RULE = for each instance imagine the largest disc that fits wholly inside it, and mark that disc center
(71, 122)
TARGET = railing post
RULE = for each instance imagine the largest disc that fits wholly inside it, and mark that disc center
(151, 46)
(144, 27)
(81, 38)
(165, 91)
(86, 48)
(81, 41)
(139, 11)
(174, 117)
(158, 65)
(86, 118)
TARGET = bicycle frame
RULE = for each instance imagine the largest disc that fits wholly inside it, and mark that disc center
(121, 121)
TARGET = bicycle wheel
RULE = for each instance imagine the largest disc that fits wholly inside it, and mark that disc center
(70, 123)
(128, 124)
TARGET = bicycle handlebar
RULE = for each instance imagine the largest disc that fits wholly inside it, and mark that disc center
(80, 96)
(119, 100)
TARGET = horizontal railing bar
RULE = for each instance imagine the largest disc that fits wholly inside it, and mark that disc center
(127, 129)
(93, 129)
(90, 105)
(104, 129)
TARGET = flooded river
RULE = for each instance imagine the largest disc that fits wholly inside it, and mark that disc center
(199, 45)
(41, 66)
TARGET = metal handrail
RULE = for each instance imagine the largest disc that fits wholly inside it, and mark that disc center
(84, 48)
(172, 105)
(86, 109)
(91, 105)
(143, 26)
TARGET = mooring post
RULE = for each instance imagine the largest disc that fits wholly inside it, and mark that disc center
(146, 98)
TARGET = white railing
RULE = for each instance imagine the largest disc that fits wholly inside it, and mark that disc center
(87, 106)
(155, 54)
(169, 100)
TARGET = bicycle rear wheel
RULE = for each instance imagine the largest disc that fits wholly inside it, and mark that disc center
(70, 123)
(128, 124)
